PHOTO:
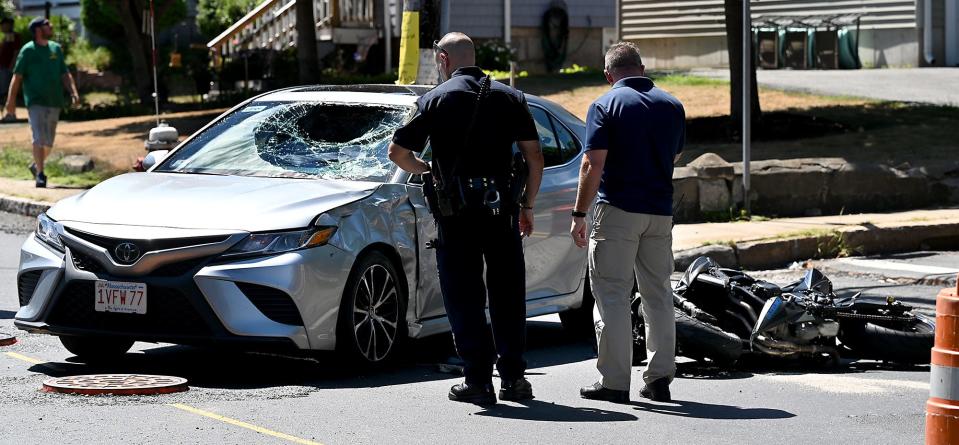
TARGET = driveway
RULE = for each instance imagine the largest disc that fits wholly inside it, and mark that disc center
(938, 86)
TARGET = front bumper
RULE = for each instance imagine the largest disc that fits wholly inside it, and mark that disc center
(202, 301)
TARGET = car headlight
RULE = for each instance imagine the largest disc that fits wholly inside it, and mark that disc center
(49, 231)
(279, 242)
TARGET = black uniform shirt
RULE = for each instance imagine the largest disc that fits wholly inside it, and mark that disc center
(443, 116)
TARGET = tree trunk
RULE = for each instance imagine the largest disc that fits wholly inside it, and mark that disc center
(306, 50)
(130, 16)
(734, 41)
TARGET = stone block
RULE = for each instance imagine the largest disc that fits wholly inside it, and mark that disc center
(714, 195)
(711, 165)
(76, 163)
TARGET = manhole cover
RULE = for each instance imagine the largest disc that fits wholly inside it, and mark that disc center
(7, 339)
(116, 384)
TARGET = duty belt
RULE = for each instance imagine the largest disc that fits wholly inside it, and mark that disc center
(488, 189)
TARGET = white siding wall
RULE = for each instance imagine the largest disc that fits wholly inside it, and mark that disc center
(652, 19)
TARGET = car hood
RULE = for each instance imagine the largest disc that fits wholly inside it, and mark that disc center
(208, 202)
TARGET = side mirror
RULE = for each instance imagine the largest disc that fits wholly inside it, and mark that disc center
(154, 158)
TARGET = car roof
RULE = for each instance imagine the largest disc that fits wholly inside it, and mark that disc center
(364, 93)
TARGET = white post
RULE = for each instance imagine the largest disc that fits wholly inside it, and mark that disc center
(387, 36)
(747, 99)
(952, 32)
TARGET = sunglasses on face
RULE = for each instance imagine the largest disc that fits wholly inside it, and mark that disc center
(438, 48)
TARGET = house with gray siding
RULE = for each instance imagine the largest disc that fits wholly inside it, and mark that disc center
(892, 33)
(592, 25)
(365, 24)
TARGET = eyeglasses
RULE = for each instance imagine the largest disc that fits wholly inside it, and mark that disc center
(436, 46)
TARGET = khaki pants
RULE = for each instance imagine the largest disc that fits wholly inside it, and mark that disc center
(621, 243)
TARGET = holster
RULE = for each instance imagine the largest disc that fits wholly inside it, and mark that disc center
(518, 176)
(443, 197)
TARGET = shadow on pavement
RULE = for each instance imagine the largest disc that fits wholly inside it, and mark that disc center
(210, 367)
(709, 371)
(700, 410)
(7, 314)
(552, 412)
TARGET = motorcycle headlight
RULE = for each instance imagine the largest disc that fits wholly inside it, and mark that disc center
(279, 242)
(49, 231)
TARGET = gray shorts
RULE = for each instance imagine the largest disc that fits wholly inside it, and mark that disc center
(43, 123)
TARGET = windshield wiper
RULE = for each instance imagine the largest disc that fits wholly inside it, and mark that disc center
(193, 172)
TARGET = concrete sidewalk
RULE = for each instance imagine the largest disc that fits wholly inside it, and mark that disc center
(24, 198)
(776, 242)
(938, 86)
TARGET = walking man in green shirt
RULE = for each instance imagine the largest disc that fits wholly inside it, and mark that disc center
(42, 71)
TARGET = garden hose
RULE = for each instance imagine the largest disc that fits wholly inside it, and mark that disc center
(555, 36)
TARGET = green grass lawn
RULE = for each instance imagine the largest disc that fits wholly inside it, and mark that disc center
(14, 163)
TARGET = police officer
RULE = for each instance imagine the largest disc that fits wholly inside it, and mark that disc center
(471, 124)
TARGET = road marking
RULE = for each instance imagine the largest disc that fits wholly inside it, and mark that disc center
(847, 385)
(38, 362)
(897, 266)
(242, 424)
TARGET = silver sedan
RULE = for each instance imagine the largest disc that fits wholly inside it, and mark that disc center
(280, 224)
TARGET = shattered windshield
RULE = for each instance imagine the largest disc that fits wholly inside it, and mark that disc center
(295, 140)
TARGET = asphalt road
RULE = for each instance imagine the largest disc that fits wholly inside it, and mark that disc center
(938, 86)
(262, 398)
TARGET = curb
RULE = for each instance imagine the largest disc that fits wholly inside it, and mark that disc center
(769, 254)
(23, 206)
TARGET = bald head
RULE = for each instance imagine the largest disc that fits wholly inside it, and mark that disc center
(457, 52)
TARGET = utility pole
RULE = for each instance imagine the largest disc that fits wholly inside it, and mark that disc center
(508, 38)
(747, 99)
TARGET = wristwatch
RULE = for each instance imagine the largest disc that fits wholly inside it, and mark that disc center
(579, 214)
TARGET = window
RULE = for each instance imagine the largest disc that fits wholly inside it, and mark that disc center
(558, 144)
(547, 139)
(297, 140)
(567, 143)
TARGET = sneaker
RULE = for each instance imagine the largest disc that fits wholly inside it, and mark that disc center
(33, 169)
(657, 390)
(597, 391)
(41, 180)
(473, 393)
(516, 390)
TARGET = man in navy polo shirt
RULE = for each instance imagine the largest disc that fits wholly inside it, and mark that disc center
(635, 134)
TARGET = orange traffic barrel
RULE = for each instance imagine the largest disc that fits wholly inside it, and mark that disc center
(942, 408)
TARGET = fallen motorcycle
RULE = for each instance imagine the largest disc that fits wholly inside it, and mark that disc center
(725, 315)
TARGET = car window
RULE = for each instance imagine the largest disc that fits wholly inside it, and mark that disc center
(552, 154)
(568, 145)
(295, 139)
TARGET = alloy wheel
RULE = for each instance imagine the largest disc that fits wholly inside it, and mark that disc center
(376, 313)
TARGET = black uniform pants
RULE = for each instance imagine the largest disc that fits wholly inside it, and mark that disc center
(465, 242)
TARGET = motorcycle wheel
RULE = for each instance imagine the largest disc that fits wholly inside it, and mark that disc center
(910, 344)
(694, 339)
(697, 340)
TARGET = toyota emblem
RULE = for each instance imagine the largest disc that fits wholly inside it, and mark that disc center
(127, 253)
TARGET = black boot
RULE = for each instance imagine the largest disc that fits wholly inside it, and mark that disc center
(657, 390)
(516, 390)
(597, 391)
(473, 393)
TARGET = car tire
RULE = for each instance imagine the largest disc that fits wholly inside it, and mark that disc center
(371, 327)
(96, 349)
(579, 322)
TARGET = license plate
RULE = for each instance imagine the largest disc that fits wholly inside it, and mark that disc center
(120, 296)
